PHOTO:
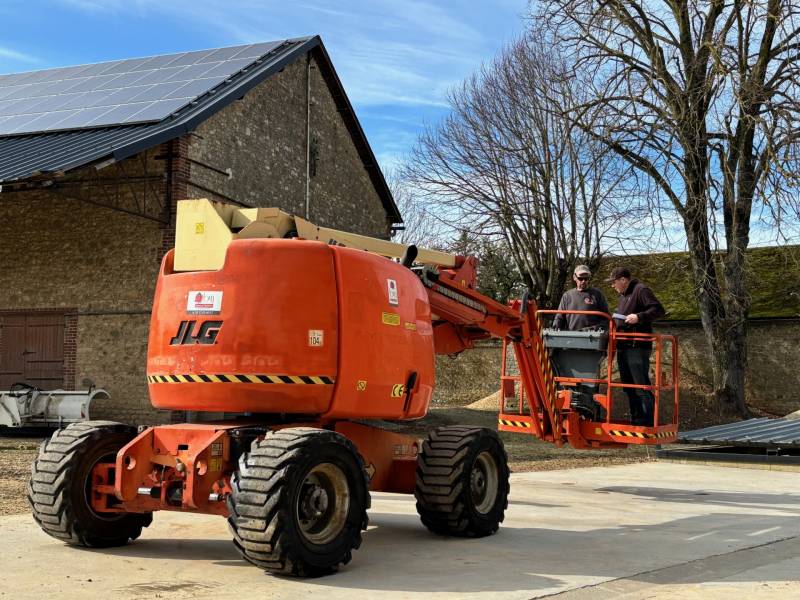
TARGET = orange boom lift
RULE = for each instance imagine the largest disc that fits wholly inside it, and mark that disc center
(297, 338)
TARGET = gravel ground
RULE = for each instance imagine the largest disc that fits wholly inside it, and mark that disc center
(525, 453)
(16, 456)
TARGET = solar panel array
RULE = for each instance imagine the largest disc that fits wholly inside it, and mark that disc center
(139, 90)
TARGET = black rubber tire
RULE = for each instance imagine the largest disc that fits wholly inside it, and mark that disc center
(58, 487)
(450, 468)
(266, 502)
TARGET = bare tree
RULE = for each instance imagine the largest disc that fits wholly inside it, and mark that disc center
(420, 226)
(701, 98)
(507, 165)
(498, 275)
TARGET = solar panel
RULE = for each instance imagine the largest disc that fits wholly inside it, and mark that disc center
(119, 114)
(257, 50)
(138, 90)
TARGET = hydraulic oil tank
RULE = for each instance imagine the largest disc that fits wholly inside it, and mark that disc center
(292, 326)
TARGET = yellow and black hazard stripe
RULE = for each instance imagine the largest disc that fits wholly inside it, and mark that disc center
(641, 435)
(242, 378)
(547, 374)
(508, 423)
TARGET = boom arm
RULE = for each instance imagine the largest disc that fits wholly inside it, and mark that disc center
(460, 316)
(204, 229)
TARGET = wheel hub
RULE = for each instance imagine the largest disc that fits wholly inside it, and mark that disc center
(484, 480)
(323, 502)
(315, 503)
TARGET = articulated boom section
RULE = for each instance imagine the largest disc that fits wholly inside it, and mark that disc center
(531, 401)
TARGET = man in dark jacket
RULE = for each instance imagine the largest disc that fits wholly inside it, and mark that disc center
(640, 308)
(582, 297)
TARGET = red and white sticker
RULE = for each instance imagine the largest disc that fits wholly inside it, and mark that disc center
(393, 297)
(200, 302)
(316, 337)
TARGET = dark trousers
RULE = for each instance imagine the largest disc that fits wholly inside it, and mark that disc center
(634, 367)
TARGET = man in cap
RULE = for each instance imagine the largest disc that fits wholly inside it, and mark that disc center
(640, 308)
(582, 297)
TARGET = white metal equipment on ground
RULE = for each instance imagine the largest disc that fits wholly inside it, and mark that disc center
(28, 406)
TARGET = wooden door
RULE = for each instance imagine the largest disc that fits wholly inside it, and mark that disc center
(32, 350)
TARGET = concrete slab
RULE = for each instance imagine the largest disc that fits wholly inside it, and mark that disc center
(653, 529)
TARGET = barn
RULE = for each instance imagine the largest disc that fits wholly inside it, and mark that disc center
(93, 159)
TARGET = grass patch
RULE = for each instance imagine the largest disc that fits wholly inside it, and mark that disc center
(771, 277)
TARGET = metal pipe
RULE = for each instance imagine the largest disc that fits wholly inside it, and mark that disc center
(226, 172)
(308, 136)
(194, 184)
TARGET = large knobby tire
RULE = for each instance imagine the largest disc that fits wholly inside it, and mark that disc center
(299, 502)
(462, 481)
(59, 489)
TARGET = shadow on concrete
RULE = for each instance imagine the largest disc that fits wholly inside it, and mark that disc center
(516, 559)
(399, 555)
(221, 552)
(789, 503)
(536, 504)
(735, 566)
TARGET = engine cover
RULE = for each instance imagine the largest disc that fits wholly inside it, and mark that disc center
(292, 326)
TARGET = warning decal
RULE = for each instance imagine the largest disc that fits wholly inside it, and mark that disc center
(393, 297)
(389, 318)
(200, 302)
(316, 337)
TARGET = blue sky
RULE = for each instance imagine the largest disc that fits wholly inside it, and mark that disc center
(396, 58)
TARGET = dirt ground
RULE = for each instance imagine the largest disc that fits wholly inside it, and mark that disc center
(525, 453)
(16, 456)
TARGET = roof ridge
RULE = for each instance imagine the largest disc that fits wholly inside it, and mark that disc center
(57, 151)
(116, 60)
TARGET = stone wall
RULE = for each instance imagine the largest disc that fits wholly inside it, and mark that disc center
(342, 194)
(59, 251)
(469, 376)
(773, 380)
(96, 264)
(112, 352)
(261, 141)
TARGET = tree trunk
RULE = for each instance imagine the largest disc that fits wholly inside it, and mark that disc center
(724, 319)
(731, 394)
(729, 388)
(724, 324)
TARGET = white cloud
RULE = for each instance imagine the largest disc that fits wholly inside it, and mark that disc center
(95, 6)
(386, 52)
(396, 58)
(16, 55)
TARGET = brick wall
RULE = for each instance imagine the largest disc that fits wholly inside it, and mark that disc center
(71, 351)
(177, 175)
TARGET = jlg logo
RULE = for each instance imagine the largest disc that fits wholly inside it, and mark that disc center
(206, 333)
